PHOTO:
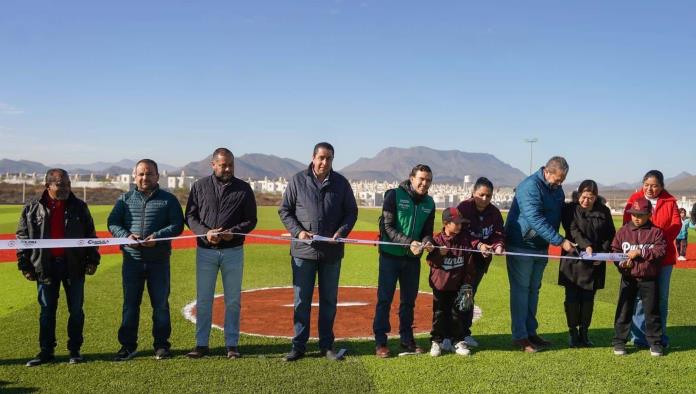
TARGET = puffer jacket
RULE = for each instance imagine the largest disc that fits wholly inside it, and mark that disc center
(34, 223)
(665, 215)
(323, 211)
(535, 214)
(650, 240)
(160, 215)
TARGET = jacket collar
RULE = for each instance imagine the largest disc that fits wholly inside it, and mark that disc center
(406, 185)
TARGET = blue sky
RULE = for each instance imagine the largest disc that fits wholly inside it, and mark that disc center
(610, 85)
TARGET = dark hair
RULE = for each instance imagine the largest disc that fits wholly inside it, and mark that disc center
(222, 152)
(657, 175)
(483, 181)
(557, 163)
(682, 210)
(588, 185)
(323, 145)
(149, 162)
(420, 167)
(53, 177)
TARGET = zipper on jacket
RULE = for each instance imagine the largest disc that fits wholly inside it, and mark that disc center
(142, 218)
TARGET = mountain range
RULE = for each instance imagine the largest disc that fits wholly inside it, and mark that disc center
(390, 164)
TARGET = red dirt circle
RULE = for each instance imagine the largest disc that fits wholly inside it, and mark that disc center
(268, 312)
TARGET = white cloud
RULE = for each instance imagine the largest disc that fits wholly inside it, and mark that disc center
(7, 109)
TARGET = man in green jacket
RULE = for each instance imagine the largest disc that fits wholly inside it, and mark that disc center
(145, 214)
(408, 215)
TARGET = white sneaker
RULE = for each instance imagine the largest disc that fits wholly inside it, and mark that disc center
(435, 349)
(461, 349)
(446, 345)
(470, 341)
(681, 258)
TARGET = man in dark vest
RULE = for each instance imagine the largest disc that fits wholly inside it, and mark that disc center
(407, 217)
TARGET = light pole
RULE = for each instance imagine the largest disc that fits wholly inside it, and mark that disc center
(531, 142)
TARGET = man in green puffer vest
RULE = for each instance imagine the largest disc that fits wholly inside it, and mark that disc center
(408, 214)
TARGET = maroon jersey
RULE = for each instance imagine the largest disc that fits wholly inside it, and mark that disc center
(647, 238)
(449, 272)
(486, 226)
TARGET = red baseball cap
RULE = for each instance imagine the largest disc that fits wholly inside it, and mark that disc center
(642, 206)
(452, 214)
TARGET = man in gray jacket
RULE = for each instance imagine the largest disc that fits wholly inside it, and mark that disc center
(145, 214)
(317, 201)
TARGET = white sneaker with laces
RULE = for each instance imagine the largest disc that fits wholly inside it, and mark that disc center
(681, 258)
(435, 349)
(446, 345)
(470, 341)
(461, 349)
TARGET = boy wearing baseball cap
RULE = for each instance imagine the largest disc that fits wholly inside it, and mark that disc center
(645, 246)
(451, 271)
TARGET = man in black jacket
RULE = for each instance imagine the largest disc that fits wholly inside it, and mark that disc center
(218, 206)
(58, 214)
(317, 201)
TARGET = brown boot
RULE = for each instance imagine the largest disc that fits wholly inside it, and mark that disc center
(382, 351)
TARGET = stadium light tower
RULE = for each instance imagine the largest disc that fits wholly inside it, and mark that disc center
(531, 142)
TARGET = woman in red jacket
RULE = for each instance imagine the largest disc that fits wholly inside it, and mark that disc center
(665, 215)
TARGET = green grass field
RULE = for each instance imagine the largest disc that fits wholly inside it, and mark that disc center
(494, 367)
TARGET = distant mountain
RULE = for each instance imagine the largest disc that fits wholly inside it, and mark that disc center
(682, 182)
(253, 165)
(124, 166)
(24, 166)
(394, 164)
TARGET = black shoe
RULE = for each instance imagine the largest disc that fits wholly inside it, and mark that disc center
(41, 358)
(233, 352)
(294, 355)
(584, 338)
(539, 342)
(125, 354)
(75, 357)
(198, 352)
(162, 353)
(411, 347)
(330, 354)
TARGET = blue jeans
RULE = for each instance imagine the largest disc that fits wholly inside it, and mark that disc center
(638, 326)
(525, 275)
(303, 275)
(135, 274)
(208, 262)
(48, 301)
(406, 271)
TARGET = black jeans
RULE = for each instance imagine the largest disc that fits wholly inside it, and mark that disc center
(448, 321)
(681, 246)
(647, 290)
(469, 316)
(48, 300)
(577, 295)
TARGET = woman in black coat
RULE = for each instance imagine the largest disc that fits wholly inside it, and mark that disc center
(588, 223)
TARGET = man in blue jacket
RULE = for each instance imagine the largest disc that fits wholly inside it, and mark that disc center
(317, 201)
(145, 214)
(532, 224)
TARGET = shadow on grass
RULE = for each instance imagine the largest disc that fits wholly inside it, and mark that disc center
(10, 390)
(682, 338)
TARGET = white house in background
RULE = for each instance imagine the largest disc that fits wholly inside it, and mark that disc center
(179, 182)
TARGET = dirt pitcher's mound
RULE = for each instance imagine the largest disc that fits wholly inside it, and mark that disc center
(268, 312)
